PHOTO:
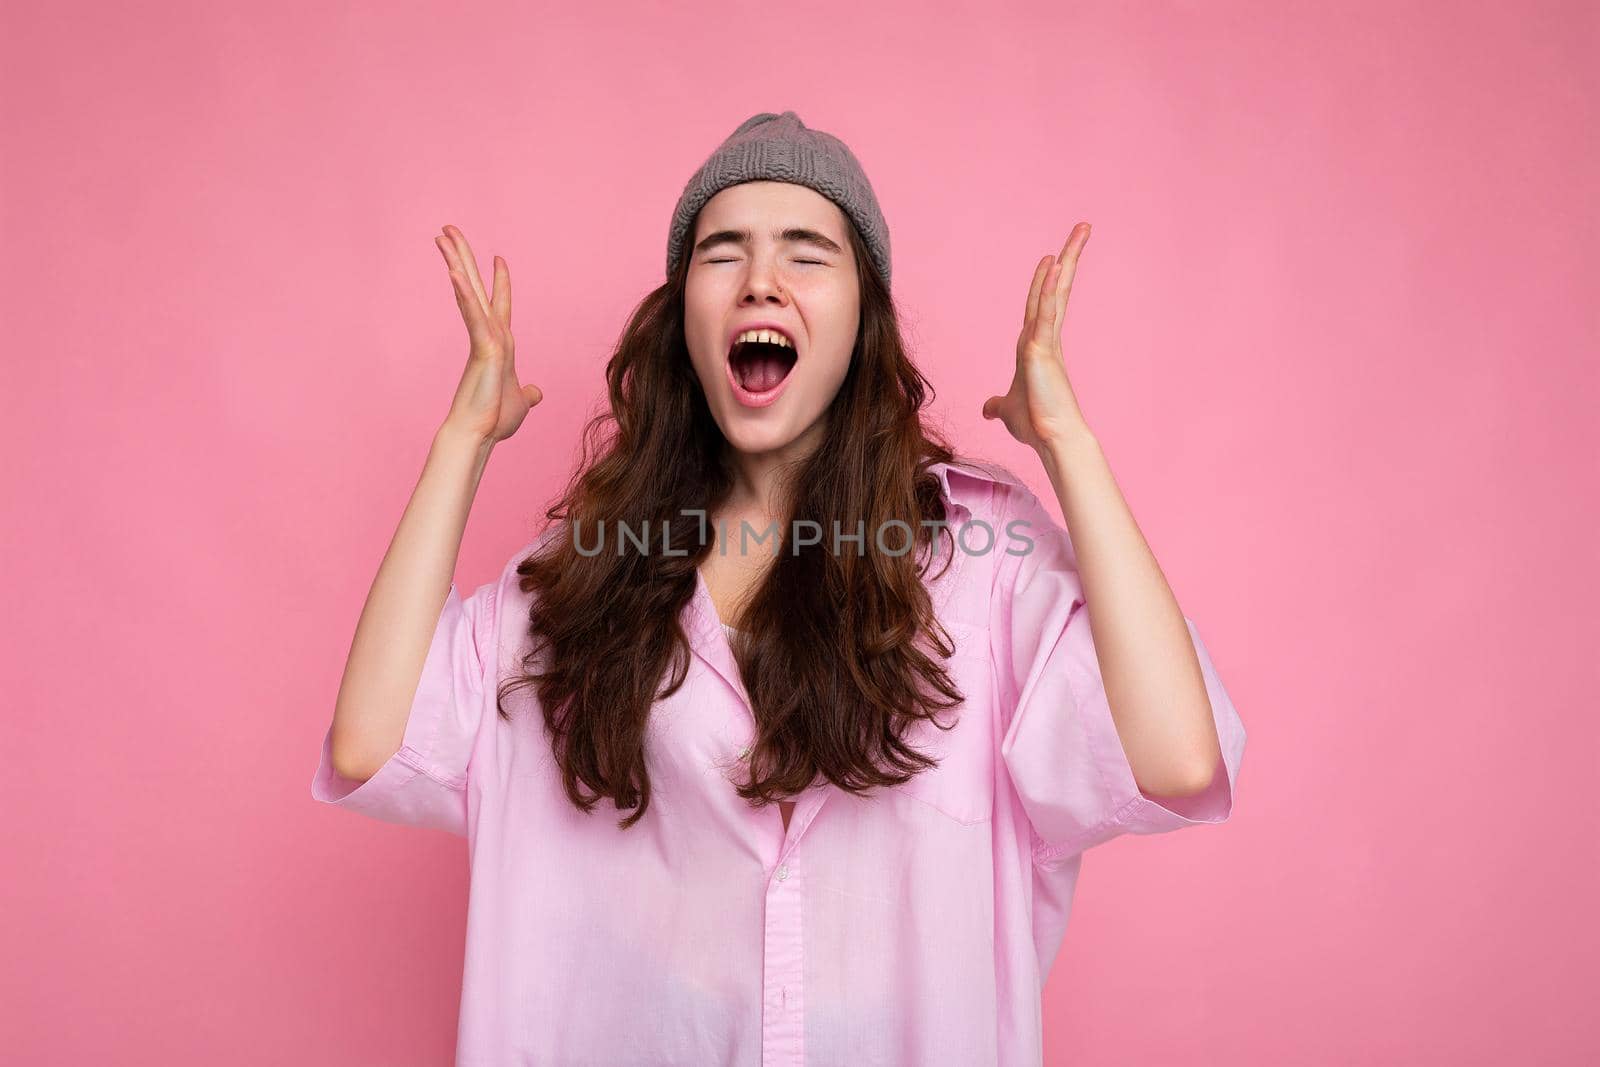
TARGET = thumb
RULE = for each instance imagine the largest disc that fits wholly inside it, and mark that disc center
(991, 407)
(533, 393)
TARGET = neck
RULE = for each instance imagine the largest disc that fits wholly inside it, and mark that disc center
(757, 475)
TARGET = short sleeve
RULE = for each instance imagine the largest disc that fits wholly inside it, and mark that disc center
(1061, 748)
(425, 782)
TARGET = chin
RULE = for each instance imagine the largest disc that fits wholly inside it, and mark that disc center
(755, 439)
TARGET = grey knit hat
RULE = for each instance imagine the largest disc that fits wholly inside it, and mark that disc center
(779, 148)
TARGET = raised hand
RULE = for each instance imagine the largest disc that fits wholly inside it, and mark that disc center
(1041, 406)
(489, 404)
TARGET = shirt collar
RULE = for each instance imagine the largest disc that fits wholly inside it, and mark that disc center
(968, 483)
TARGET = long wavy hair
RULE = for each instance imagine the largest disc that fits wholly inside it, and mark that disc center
(840, 651)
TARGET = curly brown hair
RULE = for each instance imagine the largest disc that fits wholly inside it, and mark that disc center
(844, 651)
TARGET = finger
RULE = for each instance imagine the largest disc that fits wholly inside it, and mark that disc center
(471, 310)
(991, 407)
(464, 299)
(471, 262)
(1063, 288)
(452, 259)
(1049, 307)
(1033, 292)
(1069, 256)
(502, 290)
(448, 251)
(533, 393)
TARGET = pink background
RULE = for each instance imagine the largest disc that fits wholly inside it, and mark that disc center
(1336, 328)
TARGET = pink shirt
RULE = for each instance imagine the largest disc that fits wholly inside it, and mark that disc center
(916, 926)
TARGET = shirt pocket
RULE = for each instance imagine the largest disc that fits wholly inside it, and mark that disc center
(962, 785)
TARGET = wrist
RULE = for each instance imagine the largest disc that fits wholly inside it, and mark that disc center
(1068, 447)
(457, 440)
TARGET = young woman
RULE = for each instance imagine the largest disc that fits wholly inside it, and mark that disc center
(843, 687)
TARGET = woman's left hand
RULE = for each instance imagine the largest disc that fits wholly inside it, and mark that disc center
(1041, 407)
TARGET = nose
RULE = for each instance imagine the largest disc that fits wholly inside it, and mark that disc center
(762, 283)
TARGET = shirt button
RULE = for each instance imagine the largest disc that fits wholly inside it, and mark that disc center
(783, 872)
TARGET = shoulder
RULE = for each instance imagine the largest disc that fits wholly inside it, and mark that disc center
(1027, 535)
(985, 490)
(508, 591)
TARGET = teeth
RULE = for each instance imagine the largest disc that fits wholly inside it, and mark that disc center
(771, 337)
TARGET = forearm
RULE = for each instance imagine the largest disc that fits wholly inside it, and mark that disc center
(1152, 675)
(403, 606)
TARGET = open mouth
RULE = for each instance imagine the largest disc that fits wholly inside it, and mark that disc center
(759, 367)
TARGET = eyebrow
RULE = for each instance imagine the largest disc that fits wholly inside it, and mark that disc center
(792, 235)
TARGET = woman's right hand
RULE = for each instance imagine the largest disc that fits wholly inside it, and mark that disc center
(489, 404)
